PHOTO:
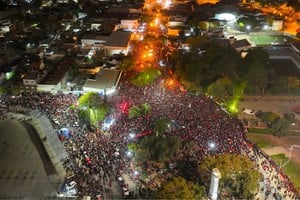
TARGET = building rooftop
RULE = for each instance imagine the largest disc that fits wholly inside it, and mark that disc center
(57, 73)
(285, 67)
(106, 78)
(95, 37)
(31, 75)
(118, 39)
(240, 43)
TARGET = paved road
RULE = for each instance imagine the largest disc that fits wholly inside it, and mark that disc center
(278, 106)
(22, 173)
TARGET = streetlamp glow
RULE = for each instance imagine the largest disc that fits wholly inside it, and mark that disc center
(135, 173)
(131, 135)
(212, 145)
(129, 153)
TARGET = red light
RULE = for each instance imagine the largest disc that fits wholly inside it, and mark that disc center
(124, 106)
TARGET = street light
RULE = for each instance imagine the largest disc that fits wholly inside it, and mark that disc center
(212, 147)
(136, 180)
(129, 153)
(135, 173)
(131, 135)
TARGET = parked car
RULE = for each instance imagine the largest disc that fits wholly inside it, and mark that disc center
(248, 111)
(172, 165)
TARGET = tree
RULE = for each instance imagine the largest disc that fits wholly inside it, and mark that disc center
(257, 54)
(257, 78)
(161, 126)
(279, 127)
(199, 42)
(91, 100)
(134, 112)
(290, 117)
(93, 107)
(204, 63)
(146, 77)
(158, 148)
(145, 108)
(3, 90)
(221, 87)
(203, 25)
(177, 188)
(239, 177)
(267, 117)
(127, 63)
(226, 63)
(280, 85)
(216, 90)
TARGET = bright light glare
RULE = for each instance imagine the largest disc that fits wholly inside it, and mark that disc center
(156, 21)
(211, 145)
(225, 16)
(131, 135)
(136, 173)
(167, 4)
(129, 153)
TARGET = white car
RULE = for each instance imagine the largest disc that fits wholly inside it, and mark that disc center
(248, 111)
(172, 165)
(56, 121)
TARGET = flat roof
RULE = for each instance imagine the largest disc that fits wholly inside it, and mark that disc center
(23, 172)
(280, 50)
(285, 67)
(118, 39)
(106, 78)
(55, 75)
(95, 37)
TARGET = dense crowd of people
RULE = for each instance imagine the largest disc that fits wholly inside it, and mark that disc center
(98, 158)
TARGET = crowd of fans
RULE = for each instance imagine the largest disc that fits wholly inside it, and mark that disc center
(98, 158)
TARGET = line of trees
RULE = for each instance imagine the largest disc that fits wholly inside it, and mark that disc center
(218, 70)
(239, 180)
(277, 125)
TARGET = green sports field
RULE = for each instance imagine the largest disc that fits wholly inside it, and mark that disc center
(270, 39)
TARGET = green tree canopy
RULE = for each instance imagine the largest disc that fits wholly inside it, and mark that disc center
(279, 127)
(128, 63)
(145, 108)
(146, 77)
(279, 85)
(290, 117)
(221, 87)
(239, 176)
(204, 63)
(267, 117)
(257, 78)
(91, 100)
(258, 55)
(161, 126)
(134, 112)
(158, 148)
(254, 69)
(177, 188)
(93, 107)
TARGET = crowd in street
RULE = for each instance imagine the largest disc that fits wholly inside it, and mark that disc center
(98, 158)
